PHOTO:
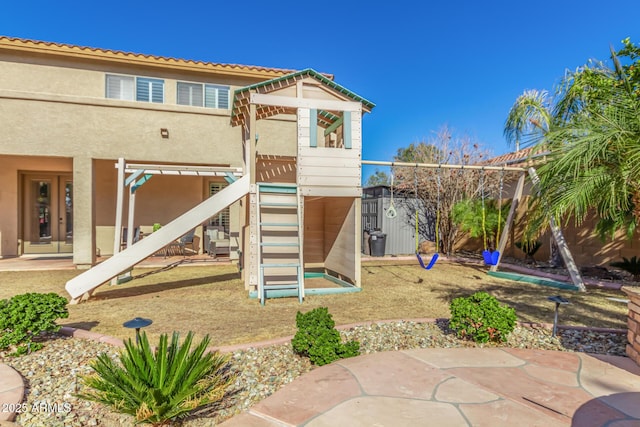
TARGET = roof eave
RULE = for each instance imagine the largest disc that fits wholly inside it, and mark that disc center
(93, 54)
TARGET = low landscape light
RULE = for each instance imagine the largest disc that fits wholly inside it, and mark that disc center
(558, 300)
(137, 323)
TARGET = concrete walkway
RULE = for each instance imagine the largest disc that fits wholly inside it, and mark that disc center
(458, 387)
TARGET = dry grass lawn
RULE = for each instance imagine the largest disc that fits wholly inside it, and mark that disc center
(212, 300)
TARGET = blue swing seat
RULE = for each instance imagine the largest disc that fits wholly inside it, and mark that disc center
(490, 258)
(431, 263)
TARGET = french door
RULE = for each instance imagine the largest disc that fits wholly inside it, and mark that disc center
(47, 215)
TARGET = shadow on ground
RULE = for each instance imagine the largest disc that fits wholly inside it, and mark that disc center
(619, 410)
(87, 326)
(138, 290)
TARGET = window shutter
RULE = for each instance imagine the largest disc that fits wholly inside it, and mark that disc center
(190, 94)
(157, 91)
(313, 128)
(222, 217)
(149, 90)
(223, 97)
(119, 87)
(346, 129)
(216, 96)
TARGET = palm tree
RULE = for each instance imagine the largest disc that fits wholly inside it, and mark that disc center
(529, 118)
(590, 132)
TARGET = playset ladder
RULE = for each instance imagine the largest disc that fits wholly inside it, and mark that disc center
(279, 240)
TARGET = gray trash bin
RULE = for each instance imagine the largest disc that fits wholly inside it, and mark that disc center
(377, 241)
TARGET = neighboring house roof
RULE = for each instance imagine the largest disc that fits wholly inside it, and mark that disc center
(83, 52)
(241, 97)
(522, 158)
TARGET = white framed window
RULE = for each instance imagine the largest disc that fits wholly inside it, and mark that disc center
(120, 87)
(203, 95)
(149, 90)
(221, 219)
(130, 88)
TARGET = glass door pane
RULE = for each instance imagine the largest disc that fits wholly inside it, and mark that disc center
(47, 216)
(65, 223)
(41, 212)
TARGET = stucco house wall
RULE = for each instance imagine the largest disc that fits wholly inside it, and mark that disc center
(56, 118)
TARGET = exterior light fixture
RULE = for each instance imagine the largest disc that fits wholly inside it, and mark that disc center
(558, 300)
(137, 324)
(164, 132)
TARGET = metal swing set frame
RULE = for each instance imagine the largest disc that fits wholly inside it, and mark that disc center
(555, 229)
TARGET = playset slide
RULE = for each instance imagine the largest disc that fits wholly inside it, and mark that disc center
(88, 281)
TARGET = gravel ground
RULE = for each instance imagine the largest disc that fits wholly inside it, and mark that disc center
(51, 373)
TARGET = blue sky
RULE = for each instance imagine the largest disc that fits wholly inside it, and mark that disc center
(425, 64)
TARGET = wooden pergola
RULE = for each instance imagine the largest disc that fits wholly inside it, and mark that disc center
(291, 86)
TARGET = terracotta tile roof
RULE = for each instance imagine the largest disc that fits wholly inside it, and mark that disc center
(241, 97)
(522, 158)
(36, 46)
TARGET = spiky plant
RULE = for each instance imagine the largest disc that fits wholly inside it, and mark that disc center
(157, 387)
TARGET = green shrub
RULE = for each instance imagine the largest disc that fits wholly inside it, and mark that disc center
(26, 316)
(482, 318)
(318, 339)
(157, 387)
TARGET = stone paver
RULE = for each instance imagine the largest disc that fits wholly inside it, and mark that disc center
(506, 413)
(455, 390)
(467, 387)
(375, 411)
(395, 375)
(444, 358)
(552, 359)
(11, 392)
(321, 389)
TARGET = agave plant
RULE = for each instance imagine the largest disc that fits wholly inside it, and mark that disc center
(157, 387)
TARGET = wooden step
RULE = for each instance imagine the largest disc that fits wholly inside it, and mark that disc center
(278, 205)
(278, 188)
(292, 264)
(279, 287)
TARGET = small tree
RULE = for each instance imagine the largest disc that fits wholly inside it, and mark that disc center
(467, 215)
(378, 178)
(440, 189)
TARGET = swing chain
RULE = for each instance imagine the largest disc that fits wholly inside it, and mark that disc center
(484, 229)
(417, 220)
(437, 226)
(501, 186)
(391, 212)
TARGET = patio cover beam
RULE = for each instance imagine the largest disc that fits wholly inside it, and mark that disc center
(319, 104)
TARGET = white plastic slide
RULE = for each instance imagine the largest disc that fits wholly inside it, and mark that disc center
(122, 261)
